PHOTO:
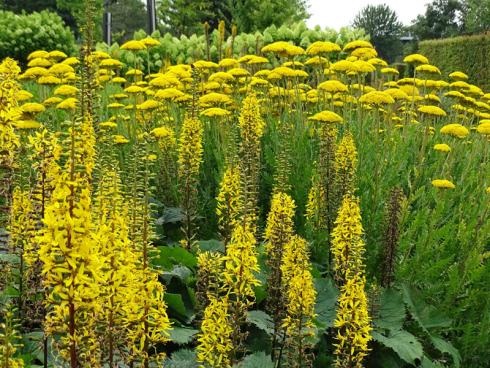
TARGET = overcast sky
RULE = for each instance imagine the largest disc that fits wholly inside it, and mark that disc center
(339, 13)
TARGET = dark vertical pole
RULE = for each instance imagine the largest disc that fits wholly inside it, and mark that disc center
(152, 18)
(107, 24)
(107, 28)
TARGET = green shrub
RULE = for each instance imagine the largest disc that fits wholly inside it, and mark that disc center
(469, 54)
(190, 48)
(20, 34)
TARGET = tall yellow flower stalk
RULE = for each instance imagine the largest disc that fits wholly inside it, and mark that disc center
(299, 297)
(326, 168)
(251, 130)
(190, 158)
(9, 141)
(315, 206)
(345, 167)
(240, 267)
(283, 158)
(151, 328)
(69, 253)
(229, 203)
(208, 281)
(9, 340)
(215, 339)
(20, 228)
(347, 244)
(118, 269)
(353, 324)
(45, 154)
(278, 232)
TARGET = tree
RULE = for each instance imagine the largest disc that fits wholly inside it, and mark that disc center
(442, 18)
(187, 16)
(128, 16)
(382, 24)
(30, 6)
(477, 16)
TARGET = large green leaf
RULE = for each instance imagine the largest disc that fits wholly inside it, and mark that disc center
(262, 320)
(446, 347)
(256, 360)
(175, 303)
(181, 335)
(326, 300)
(392, 310)
(212, 245)
(427, 316)
(170, 256)
(403, 343)
(182, 359)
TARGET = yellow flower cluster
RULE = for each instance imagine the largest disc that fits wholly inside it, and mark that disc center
(347, 244)
(229, 206)
(345, 165)
(353, 324)
(215, 344)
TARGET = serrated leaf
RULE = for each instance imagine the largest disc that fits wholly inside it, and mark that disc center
(181, 272)
(170, 256)
(446, 347)
(326, 303)
(184, 358)
(175, 303)
(427, 316)
(256, 360)
(403, 343)
(212, 245)
(181, 335)
(261, 320)
(170, 215)
(392, 310)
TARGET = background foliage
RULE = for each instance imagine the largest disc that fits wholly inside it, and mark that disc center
(469, 54)
(24, 33)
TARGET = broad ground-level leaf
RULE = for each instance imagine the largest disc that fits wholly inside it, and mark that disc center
(261, 320)
(212, 245)
(403, 343)
(446, 347)
(326, 300)
(181, 335)
(175, 303)
(391, 310)
(170, 256)
(182, 359)
(427, 316)
(256, 360)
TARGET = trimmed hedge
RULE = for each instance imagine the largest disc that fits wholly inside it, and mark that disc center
(20, 34)
(469, 54)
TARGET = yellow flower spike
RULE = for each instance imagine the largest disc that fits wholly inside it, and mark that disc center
(353, 324)
(347, 244)
(345, 165)
(190, 153)
(214, 341)
(228, 203)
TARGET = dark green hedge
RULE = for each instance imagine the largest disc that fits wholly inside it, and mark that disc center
(20, 34)
(469, 54)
